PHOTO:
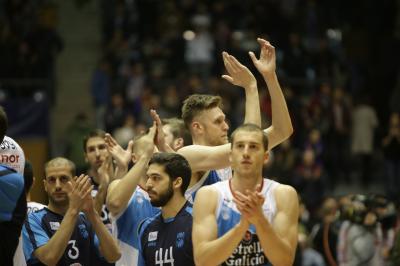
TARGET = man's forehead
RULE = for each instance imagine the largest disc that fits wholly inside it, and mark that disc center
(94, 141)
(248, 136)
(155, 168)
(59, 169)
(211, 114)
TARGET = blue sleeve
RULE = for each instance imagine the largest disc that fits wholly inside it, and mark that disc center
(33, 235)
(11, 188)
(141, 228)
(138, 209)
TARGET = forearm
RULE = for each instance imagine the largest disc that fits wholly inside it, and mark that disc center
(252, 111)
(217, 251)
(276, 249)
(100, 198)
(120, 171)
(281, 123)
(52, 251)
(120, 195)
(108, 246)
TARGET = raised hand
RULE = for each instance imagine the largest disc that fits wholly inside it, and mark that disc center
(160, 136)
(78, 189)
(122, 157)
(266, 64)
(239, 75)
(106, 171)
(148, 141)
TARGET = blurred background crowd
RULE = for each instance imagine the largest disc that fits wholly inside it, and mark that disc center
(338, 65)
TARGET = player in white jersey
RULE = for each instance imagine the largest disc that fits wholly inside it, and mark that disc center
(205, 119)
(247, 220)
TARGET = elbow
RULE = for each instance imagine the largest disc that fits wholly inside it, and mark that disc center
(114, 206)
(49, 259)
(114, 257)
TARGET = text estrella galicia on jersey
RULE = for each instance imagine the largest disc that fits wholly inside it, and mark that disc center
(153, 236)
(180, 239)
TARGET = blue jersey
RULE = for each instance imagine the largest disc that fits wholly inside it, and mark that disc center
(41, 225)
(209, 178)
(126, 224)
(249, 250)
(12, 212)
(167, 242)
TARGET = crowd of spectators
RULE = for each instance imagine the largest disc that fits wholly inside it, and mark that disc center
(29, 44)
(336, 64)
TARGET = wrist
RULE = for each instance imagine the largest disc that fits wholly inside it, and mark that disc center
(270, 76)
(251, 87)
(72, 211)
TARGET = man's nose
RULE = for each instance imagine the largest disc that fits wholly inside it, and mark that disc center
(58, 183)
(225, 126)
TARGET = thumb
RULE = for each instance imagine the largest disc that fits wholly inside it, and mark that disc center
(152, 130)
(253, 57)
(130, 146)
(227, 78)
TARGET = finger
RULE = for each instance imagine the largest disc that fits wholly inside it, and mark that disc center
(240, 196)
(228, 78)
(88, 191)
(253, 58)
(130, 146)
(227, 63)
(152, 130)
(235, 63)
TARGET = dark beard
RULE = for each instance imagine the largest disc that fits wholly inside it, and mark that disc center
(164, 197)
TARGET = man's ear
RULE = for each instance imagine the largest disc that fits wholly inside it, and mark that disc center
(197, 127)
(178, 143)
(178, 182)
(266, 157)
(45, 185)
(135, 158)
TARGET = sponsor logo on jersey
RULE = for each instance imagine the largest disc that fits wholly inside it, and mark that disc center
(83, 231)
(180, 239)
(54, 226)
(153, 236)
(248, 252)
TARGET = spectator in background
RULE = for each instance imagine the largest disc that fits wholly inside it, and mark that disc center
(310, 181)
(391, 150)
(364, 122)
(101, 90)
(176, 133)
(116, 113)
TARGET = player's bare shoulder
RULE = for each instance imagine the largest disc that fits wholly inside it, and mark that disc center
(286, 197)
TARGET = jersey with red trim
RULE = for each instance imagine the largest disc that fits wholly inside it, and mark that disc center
(249, 250)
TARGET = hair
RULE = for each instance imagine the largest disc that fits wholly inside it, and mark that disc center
(93, 134)
(248, 127)
(3, 123)
(59, 162)
(175, 165)
(28, 176)
(197, 103)
(178, 129)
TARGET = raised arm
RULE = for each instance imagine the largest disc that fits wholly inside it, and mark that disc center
(281, 127)
(207, 248)
(53, 250)
(120, 191)
(108, 245)
(105, 173)
(240, 75)
(204, 158)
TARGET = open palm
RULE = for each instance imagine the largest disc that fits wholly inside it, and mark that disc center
(266, 64)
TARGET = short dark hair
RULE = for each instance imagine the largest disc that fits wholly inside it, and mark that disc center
(28, 176)
(175, 165)
(92, 134)
(60, 161)
(197, 103)
(251, 128)
(3, 124)
(178, 129)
